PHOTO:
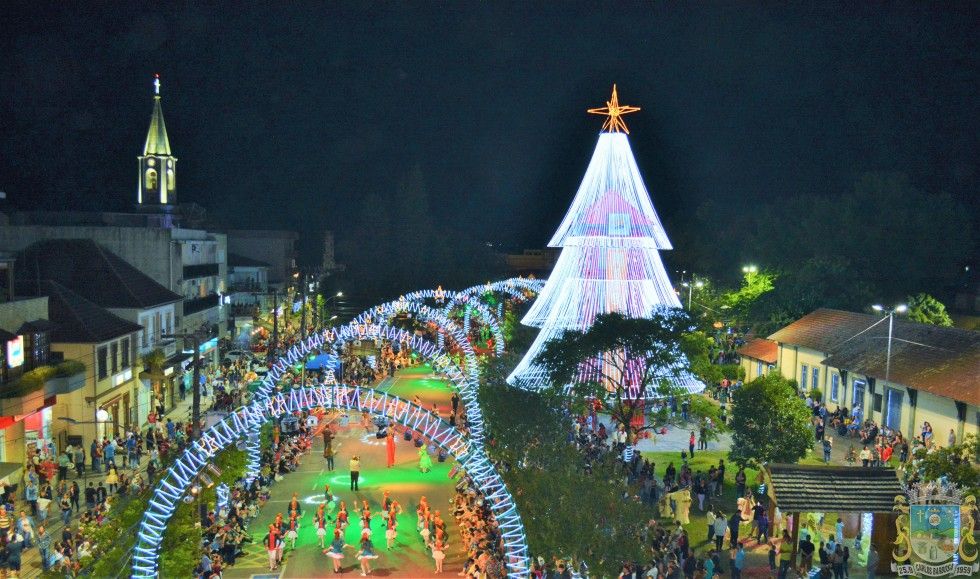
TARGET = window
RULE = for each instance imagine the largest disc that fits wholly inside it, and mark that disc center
(114, 356)
(157, 327)
(170, 179)
(835, 387)
(151, 180)
(804, 371)
(758, 369)
(816, 379)
(125, 353)
(144, 333)
(103, 362)
(40, 349)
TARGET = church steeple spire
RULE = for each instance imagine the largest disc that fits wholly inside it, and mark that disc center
(157, 182)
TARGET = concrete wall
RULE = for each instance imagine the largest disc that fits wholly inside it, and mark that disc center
(793, 358)
(751, 367)
(940, 412)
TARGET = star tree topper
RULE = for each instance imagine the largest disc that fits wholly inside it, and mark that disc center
(613, 111)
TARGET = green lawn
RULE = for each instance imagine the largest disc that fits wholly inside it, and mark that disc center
(697, 529)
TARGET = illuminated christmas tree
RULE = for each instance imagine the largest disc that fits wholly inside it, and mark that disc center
(610, 260)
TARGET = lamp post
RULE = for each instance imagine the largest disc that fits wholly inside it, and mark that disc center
(338, 295)
(270, 351)
(690, 289)
(899, 309)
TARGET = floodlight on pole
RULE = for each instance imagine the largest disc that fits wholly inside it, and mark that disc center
(899, 309)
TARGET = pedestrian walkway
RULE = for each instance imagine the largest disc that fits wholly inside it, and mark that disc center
(31, 558)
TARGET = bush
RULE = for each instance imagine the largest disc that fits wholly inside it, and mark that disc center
(70, 368)
(816, 394)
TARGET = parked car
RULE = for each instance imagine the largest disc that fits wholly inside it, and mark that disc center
(235, 355)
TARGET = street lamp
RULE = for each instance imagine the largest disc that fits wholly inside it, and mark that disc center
(750, 269)
(899, 309)
(690, 290)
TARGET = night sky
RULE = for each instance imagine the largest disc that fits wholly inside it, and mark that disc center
(287, 116)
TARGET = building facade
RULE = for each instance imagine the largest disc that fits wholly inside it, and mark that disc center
(932, 374)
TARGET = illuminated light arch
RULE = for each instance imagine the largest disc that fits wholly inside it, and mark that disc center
(466, 385)
(515, 287)
(426, 314)
(511, 286)
(452, 297)
(473, 460)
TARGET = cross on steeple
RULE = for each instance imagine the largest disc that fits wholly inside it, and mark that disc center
(156, 84)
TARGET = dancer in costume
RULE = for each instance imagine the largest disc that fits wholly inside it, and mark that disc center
(342, 518)
(294, 505)
(366, 554)
(391, 533)
(425, 461)
(271, 542)
(320, 522)
(292, 531)
(390, 447)
(336, 551)
(422, 511)
(438, 555)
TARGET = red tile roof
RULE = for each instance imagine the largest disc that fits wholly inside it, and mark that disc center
(760, 349)
(941, 361)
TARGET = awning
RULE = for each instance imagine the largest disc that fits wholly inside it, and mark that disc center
(328, 361)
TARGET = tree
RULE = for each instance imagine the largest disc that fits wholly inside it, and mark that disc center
(954, 463)
(925, 309)
(770, 422)
(754, 284)
(620, 360)
(566, 511)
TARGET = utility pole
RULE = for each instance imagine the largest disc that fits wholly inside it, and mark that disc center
(196, 386)
(302, 329)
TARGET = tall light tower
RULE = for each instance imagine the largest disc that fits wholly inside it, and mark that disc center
(899, 309)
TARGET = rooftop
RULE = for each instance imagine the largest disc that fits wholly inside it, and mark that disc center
(235, 259)
(800, 488)
(92, 272)
(941, 361)
(760, 349)
(80, 321)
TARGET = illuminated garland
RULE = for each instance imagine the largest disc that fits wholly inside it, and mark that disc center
(471, 457)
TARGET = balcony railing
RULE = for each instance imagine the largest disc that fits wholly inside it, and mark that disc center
(200, 270)
(195, 305)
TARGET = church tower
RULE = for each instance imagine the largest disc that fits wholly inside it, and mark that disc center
(158, 167)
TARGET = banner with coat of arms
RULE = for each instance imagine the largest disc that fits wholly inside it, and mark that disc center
(935, 527)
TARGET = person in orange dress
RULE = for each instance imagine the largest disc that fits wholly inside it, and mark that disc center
(390, 447)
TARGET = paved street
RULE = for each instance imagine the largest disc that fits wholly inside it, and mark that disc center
(408, 558)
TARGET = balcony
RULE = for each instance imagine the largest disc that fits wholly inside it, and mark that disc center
(27, 394)
(200, 270)
(195, 305)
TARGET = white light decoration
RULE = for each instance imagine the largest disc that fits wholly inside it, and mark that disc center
(471, 458)
(610, 239)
